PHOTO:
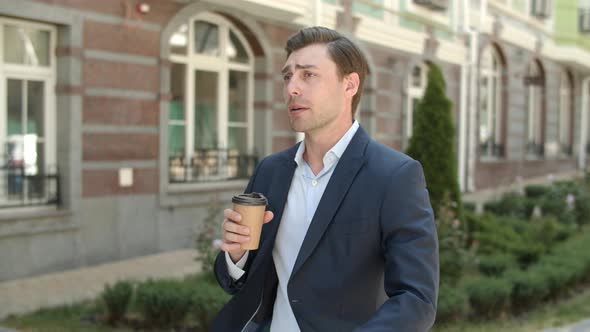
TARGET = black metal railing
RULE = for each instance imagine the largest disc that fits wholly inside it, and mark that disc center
(535, 149)
(491, 149)
(206, 165)
(20, 186)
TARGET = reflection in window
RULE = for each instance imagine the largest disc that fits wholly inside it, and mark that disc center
(415, 91)
(565, 111)
(206, 38)
(210, 124)
(535, 143)
(27, 164)
(26, 46)
(490, 121)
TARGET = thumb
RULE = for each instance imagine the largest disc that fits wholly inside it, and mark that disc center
(268, 215)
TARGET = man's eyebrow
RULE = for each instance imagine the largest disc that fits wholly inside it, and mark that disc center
(288, 67)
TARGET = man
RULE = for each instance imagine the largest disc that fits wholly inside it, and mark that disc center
(348, 217)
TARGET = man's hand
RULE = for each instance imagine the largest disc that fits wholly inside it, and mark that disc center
(234, 234)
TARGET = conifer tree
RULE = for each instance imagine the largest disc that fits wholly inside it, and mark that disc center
(433, 143)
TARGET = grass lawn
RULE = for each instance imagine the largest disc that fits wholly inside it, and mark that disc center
(75, 318)
(548, 315)
(72, 318)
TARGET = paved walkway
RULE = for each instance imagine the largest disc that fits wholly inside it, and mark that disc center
(583, 326)
(29, 294)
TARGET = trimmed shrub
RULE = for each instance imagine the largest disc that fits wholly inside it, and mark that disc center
(208, 299)
(582, 204)
(535, 191)
(116, 299)
(503, 235)
(164, 303)
(469, 206)
(511, 205)
(528, 289)
(495, 265)
(452, 304)
(488, 296)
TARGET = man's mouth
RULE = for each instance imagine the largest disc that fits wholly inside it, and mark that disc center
(297, 108)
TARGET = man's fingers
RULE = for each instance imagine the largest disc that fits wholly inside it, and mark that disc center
(230, 247)
(268, 215)
(233, 227)
(233, 237)
(232, 215)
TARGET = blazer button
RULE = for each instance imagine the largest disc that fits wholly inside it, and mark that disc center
(294, 301)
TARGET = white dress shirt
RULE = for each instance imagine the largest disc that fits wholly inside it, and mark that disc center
(306, 191)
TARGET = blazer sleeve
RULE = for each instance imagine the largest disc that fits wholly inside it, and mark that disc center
(409, 245)
(226, 282)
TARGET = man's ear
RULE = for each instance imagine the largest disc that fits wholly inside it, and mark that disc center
(352, 84)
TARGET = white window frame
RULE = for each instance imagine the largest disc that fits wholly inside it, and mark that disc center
(222, 66)
(413, 92)
(45, 74)
(493, 96)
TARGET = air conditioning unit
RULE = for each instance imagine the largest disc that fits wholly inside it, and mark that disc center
(541, 8)
(433, 4)
(584, 20)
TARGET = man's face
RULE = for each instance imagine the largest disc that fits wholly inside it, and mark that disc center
(316, 97)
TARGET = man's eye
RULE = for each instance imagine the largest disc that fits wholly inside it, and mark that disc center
(308, 74)
(286, 77)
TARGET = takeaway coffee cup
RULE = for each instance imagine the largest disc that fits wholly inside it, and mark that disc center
(251, 207)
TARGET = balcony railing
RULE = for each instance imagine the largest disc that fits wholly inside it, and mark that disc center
(535, 149)
(491, 149)
(19, 187)
(208, 165)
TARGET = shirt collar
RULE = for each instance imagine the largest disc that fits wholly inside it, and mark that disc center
(338, 148)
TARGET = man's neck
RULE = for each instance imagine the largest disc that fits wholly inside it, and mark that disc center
(317, 144)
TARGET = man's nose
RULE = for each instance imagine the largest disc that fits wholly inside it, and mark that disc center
(293, 88)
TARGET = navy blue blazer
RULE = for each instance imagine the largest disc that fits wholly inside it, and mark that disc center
(373, 232)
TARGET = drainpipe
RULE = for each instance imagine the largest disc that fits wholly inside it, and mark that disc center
(584, 126)
(463, 126)
(463, 101)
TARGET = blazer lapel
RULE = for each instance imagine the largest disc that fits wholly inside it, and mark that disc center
(277, 198)
(348, 166)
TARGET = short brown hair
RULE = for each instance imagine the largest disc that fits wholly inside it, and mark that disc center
(347, 56)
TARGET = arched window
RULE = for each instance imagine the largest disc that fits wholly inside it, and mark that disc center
(535, 121)
(417, 80)
(490, 102)
(210, 132)
(565, 113)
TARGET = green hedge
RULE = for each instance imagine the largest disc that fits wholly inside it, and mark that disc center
(511, 205)
(488, 296)
(164, 303)
(452, 303)
(116, 299)
(495, 265)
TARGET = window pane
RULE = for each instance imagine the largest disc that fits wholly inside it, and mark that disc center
(484, 126)
(176, 140)
(238, 96)
(26, 46)
(206, 38)
(235, 50)
(374, 9)
(179, 40)
(177, 86)
(35, 108)
(205, 110)
(238, 139)
(417, 76)
(14, 105)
